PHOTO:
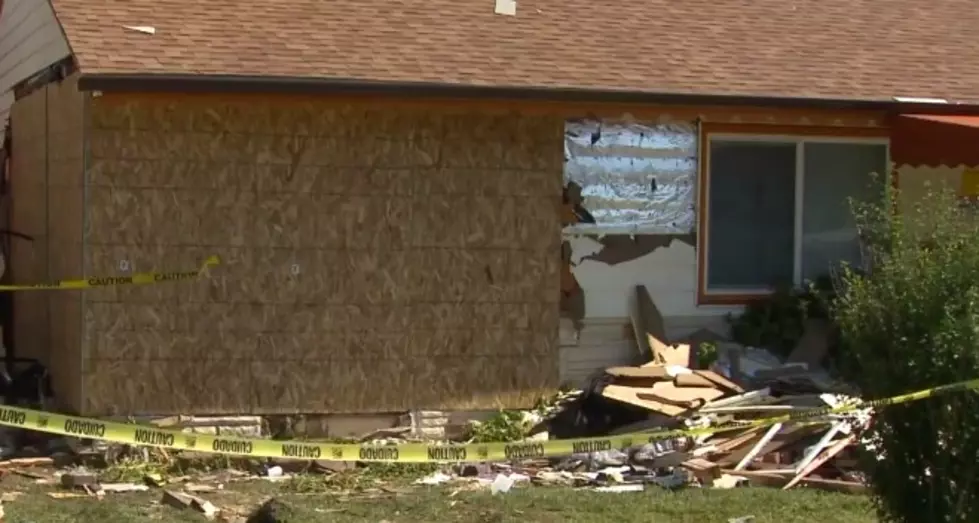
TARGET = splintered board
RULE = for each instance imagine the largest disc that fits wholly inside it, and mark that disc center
(373, 259)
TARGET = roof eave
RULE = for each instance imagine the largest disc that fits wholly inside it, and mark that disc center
(201, 83)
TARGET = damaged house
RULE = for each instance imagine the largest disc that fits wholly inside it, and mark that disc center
(389, 185)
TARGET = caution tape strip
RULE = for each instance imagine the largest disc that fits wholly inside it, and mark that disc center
(140, 278)
(406, 453)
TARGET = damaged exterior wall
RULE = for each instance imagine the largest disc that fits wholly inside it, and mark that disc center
(46, 203)
(643, 231)
(638, 187)
(637, 183)
(375, 259)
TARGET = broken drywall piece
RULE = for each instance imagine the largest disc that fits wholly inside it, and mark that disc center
(506, 7)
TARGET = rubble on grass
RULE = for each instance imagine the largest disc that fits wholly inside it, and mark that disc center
(742, 386)
(673, 388)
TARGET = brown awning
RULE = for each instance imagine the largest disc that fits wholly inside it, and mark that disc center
(933, 140)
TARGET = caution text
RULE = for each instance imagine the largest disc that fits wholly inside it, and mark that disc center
(295, 450)
(231, 446)
(522, 451)
(12, 417)
(585, 447)
(379, 453)
(91, 429)
(447, 453)
(153, 437)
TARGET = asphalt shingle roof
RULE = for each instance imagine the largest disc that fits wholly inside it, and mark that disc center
(849, 49)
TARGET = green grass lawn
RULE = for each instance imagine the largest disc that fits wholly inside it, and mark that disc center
(525, 505)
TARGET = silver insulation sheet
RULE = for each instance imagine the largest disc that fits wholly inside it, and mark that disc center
(632, 175)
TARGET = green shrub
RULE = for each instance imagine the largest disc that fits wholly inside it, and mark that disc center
(911, 323)
(775, 323)
(706, 355)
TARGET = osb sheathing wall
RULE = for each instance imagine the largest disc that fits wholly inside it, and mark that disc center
(374, 258)
(46, 203)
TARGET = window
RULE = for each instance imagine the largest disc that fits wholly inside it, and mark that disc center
(778, 210)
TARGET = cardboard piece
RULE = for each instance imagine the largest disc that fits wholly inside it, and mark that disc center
(719, 380)
(663, 397)
(813, 345)
(693, 380)
(666, 354)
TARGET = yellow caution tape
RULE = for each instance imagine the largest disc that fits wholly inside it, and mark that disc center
(139, 278)
(406, 453)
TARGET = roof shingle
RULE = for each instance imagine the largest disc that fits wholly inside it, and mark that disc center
(848, 49)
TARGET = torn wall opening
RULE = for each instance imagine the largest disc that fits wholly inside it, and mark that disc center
(630, 189)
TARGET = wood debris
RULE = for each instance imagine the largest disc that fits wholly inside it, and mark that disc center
(744, 387)
(187, 501)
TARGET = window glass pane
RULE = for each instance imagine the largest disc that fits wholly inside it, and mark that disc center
(750, 215)
(834, 173)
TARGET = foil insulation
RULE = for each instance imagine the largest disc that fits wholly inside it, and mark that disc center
(634, 176)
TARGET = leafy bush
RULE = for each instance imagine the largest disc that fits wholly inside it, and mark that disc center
(706, 355)
(911, 323)
(505, 425)
(775, 323)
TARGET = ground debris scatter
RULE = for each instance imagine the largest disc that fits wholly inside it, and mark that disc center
(814, 450)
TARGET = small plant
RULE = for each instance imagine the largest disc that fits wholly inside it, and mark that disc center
(505, 425)
(775, 323)
(706, 355)
(513, 425)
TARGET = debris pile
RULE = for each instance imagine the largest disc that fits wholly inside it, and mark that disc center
(740, 389)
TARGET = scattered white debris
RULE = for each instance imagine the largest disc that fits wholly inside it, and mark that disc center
(632, 487)
(727, 481)
(502, 484)
(506, 7)
(146, 29)
(437, 478)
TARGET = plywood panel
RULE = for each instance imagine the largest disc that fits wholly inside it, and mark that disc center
(46, 202)
(28, 215)
(64, 179)
(361, 246)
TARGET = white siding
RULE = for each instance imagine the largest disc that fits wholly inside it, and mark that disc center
(30, 40)
(602, 343)
(669, 275)
(609, 342)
